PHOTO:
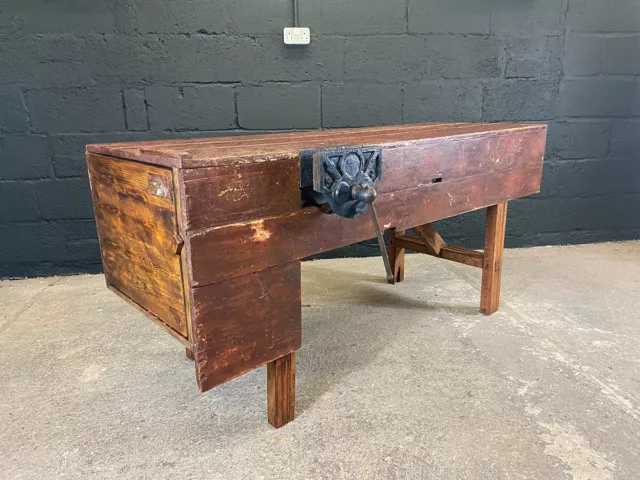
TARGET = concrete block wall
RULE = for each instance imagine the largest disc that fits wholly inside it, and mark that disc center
(75, 72)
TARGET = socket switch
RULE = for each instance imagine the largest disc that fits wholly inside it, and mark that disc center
(297, 36)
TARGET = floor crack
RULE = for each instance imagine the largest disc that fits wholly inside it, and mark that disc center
(28, 305)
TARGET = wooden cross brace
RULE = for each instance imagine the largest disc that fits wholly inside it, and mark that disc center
(430, 242)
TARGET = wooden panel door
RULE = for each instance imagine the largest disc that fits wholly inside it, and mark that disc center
(135, 210)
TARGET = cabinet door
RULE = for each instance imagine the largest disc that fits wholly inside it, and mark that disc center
(135, 210)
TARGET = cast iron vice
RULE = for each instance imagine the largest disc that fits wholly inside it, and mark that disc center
(343, 181)
(343, 178)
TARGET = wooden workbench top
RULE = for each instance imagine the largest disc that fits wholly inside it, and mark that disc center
(205, 152)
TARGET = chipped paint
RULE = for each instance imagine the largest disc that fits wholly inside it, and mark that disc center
(260, 233)
(224, 192)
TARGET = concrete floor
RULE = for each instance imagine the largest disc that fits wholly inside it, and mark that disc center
(394, 382)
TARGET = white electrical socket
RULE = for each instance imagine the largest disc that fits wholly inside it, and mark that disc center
(297, 36)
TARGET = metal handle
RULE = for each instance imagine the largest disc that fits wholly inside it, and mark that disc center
(364, 193)
(383, 248)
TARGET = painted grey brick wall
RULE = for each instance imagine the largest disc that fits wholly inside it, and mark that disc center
(74, 72)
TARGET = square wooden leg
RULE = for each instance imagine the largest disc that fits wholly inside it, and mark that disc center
(245, 322)
(281, 390)
(492, 264)
(396, 255)
(189, 353)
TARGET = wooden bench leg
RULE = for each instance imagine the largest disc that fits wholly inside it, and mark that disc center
(281, 390)
(189, 353)
(396, 255)
(492, 265)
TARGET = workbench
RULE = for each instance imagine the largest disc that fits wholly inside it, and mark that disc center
(205, 236)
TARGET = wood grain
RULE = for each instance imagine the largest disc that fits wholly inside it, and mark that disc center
(122, 185)
(184, 267)
(462, 255)
(396, 255)
(245, 322)
(281, 390)
(452, 158)
(413, 244)
(197, 153)
(493, 252)
(229, 194)
(430, 238)
(224, 194)
(138, 235)
(242, 248)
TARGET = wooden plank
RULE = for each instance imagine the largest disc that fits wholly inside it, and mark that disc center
(240, 151)
(493, 252)
(396, 255)
(413, 244)
(189, 353)
(245, 322)
(226, 194)
(152, 289)
(198, 153)
(462, 255)
(139, 237)
(122, 185)
(186, 144)
(143, 243)
(129, 179)
(284, 138)
(431, 239)
(184, 272)
(270, 152)
(239, 249)
(446, 160)
(229, 194)
(281, 390)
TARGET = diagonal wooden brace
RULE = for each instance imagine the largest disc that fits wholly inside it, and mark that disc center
(431, 243)
(428, 241)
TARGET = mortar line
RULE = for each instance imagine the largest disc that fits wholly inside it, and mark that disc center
(124, 109)
(406, 16)
(146, 108)
(321, 109)
(25, 105)
(236, 117)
